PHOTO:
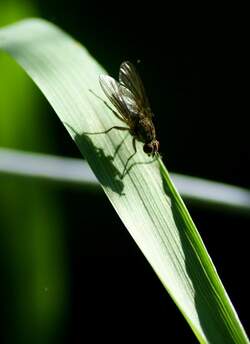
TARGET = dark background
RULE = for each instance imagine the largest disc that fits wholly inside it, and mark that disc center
(194, 65)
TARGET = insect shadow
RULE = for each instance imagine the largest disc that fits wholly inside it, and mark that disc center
(126, 168)
(111, 177)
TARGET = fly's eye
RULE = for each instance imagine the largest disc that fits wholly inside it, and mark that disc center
(148, 148)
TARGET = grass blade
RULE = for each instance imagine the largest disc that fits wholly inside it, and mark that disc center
(195, 190)
(145, 199)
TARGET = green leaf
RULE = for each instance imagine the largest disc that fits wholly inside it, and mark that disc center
(145, 199)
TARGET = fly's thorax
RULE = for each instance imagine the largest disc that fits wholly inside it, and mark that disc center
(145, 130)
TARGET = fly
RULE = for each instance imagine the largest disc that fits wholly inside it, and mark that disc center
(132, 107)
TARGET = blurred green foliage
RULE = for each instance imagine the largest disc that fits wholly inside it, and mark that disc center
(34, 276)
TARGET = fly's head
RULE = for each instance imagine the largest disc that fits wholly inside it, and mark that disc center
(151, 148)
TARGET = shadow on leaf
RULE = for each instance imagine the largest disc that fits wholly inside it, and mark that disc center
(101, 164)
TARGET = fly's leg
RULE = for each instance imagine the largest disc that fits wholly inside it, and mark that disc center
(108, 130)
(98, 132)
(119, 146)
(131, 156)
(134, 146)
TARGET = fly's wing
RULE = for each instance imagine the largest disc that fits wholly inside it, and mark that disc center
(130, 101)
(111, 88)
(129, 78)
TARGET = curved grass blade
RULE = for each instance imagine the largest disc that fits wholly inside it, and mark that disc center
(145, 199)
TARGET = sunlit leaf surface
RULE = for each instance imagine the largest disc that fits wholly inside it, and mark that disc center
(145, 199)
